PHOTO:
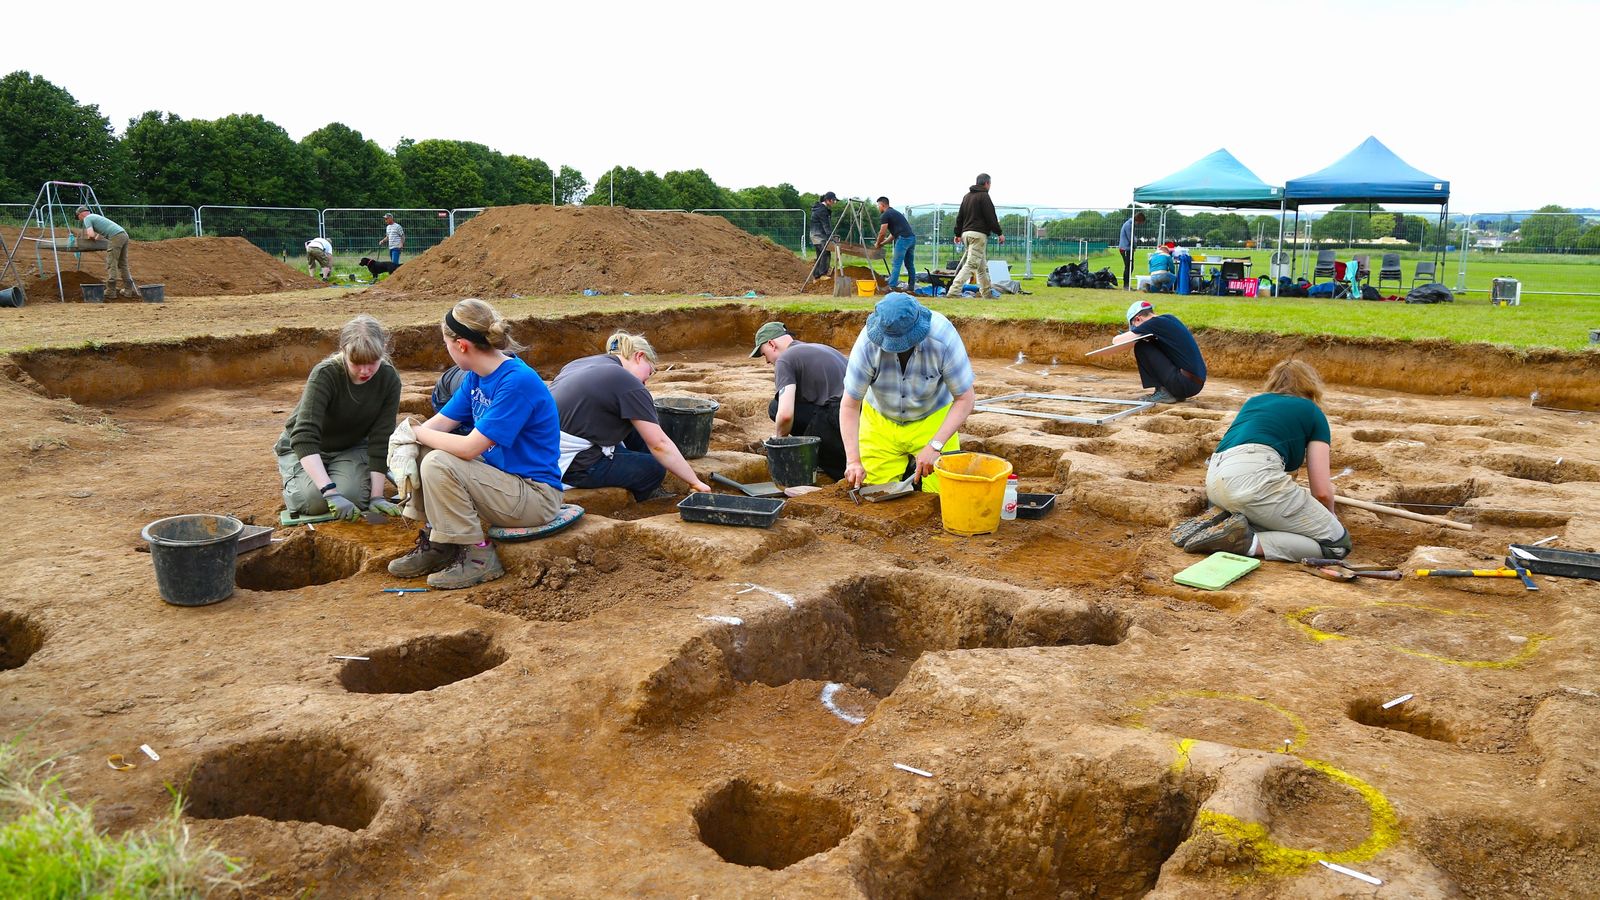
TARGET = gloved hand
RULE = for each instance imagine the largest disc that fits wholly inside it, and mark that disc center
(404, 451)
(385, 506)
(340, 505)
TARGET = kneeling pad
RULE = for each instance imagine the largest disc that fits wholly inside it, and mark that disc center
(566, 515)
(286, 518)
(1217, 571)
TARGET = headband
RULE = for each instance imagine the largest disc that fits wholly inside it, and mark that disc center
(471, 334)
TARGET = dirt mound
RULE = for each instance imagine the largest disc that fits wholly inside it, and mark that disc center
(544, 250)
(189, 267)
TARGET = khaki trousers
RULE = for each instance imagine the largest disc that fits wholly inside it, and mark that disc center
(347, 469)
(117, 264)
(974, 261)
(457, 493)
(1290, 524)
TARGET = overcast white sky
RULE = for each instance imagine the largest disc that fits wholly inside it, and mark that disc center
(905, 99)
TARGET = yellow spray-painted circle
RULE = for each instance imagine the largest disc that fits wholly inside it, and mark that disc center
(1144, 705)
(1525, 653)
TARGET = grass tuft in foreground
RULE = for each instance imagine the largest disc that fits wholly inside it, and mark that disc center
(50, 848)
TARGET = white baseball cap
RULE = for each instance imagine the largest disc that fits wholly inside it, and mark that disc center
(1140, 306)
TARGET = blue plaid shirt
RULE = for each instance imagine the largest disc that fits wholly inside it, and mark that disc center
(937, 373)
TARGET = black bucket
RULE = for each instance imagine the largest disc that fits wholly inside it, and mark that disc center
(93, 293)
(687, 420)
(153, 293)
(792, 461)
(13, 297)
(194, 557)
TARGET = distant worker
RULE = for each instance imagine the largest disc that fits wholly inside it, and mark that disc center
(975, 221)
(1161, 277)
(319, 252)
(332, 453)
(892, 224)
(1125, 247)
(1169, 359)
(394, 236)
(821, 228)
(1258, 508)
(907, 391)
(95, 227)
(611, 435)
(809, 382)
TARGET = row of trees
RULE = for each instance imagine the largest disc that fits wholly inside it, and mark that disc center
(247, 160)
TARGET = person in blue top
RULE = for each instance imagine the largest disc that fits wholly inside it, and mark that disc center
(892, 224)
(504, 471)
(1169, 359)
(1161, 277)
(1257, 507)
(95, 227)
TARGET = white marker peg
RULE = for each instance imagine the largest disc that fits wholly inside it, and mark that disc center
(356, 658)
(145, 749)
(1398, 700)
(905, 768)
(1351, 872)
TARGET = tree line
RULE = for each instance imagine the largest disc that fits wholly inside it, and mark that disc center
(248, 160)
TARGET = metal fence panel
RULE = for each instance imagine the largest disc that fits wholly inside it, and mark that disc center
(356, 232)
(934, 224)
(784, 227)
(457, 216)
(14, 214)
(280, 231)
(153, 222)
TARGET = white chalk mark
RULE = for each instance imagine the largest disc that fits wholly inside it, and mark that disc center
(1559, 459)
(724, 620)
(1516, 639)
(1398, 700)
(905, 768)
(145, 749)
(781, 597)
(1351, 872)
(1541, 543)
(830, 689)
(357, 658)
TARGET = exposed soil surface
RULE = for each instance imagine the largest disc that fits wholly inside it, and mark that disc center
(648, 707)
(509, 251)
(188, 267)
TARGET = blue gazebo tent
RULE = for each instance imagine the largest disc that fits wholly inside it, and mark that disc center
(1218, 179)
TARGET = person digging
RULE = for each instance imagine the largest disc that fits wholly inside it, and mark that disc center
(95, 227)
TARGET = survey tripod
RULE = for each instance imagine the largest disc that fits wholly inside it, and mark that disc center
(853, 219)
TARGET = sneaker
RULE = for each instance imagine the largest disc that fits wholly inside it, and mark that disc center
(473, 565)
(1231, 535)
(1160, 395)
(1186, 531)
(426, 557)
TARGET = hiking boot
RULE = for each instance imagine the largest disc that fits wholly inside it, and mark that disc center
(473, 565)
(1231, 535)
(425, 558)
(1186, 531)
(1161, 395)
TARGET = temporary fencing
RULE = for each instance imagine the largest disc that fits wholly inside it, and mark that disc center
(356, 232)
(784, 227)
(279, 230)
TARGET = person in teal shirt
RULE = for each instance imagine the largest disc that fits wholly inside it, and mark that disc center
(96, 227)
(1257, 507)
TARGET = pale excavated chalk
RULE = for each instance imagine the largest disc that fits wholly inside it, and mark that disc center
(1351, 872)
(828, 692)
(725, 620)
(1398, 700)
(781, 597)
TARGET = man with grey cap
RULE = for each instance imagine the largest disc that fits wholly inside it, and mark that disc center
(821, 228)
(810, 381)
(95, 227)
(907, 391)
(393, 235)
(1169, 358)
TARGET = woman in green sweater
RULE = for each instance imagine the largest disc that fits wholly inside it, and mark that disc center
(332, 453)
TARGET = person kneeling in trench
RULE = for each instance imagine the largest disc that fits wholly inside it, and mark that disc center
(503, 471)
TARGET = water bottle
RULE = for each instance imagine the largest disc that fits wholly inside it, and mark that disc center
(1008, 506)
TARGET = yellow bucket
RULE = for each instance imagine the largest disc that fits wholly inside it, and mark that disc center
(866, 287)
(972, 487)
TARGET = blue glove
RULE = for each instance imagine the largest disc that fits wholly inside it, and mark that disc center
(341, 506)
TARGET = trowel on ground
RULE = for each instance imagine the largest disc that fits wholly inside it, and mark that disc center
(764, 489)
(878, 493)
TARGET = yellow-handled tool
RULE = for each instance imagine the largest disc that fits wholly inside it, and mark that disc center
(1527, 581)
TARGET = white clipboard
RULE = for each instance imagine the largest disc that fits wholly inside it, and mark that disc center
(1136, 338)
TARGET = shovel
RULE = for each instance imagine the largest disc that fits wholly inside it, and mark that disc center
(764, 489)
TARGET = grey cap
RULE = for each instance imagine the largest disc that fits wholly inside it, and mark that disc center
(388, 215)
(81, 209)
(766, 333)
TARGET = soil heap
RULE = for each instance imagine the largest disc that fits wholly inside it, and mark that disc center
(547, 250)
(189, 267)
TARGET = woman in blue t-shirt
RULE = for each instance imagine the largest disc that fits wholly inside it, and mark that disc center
(1258, 508)
(502, 471)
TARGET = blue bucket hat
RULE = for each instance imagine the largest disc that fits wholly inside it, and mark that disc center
(899, 323)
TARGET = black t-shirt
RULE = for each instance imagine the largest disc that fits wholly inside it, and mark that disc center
(1174, 339)
(816, 371)
(597, 399)
(896, 220)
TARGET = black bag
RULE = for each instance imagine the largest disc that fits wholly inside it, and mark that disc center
(1368, 292)
(1430, 293)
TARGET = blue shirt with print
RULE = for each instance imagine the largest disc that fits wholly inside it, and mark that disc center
(512, 407)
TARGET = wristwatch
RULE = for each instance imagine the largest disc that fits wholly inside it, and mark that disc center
(330, 486)
(936, 445)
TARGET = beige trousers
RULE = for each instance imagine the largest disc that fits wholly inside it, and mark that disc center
(974, 261)
(1290, 524)
(457, 493)
(117, 264)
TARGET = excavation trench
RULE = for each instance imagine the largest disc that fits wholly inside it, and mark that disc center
(421, 664)
(753, 824)
(1408, 717)
(20, 639)
(303, 779)
(304, 559)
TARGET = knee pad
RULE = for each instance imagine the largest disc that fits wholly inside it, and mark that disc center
(1336, 549)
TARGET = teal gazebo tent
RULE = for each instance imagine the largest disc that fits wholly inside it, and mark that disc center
(1218, 179)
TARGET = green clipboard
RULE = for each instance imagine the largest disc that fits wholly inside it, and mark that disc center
(1217, 571)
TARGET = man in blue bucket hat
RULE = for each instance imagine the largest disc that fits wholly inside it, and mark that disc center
(907, 391)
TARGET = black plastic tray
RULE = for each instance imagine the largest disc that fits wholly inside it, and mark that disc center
(730, 509)
(1034, 506)
(1561, 563)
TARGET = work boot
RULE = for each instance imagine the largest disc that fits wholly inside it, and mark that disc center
(425, 558)
(1186, 531)
(1231, 535)
(475, 564)
(1161, 395)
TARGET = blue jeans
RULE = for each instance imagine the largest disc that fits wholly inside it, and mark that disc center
(632, 469)
(394, 255)
(904, 252)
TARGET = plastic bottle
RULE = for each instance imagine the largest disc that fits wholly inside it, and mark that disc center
(1008, 506)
